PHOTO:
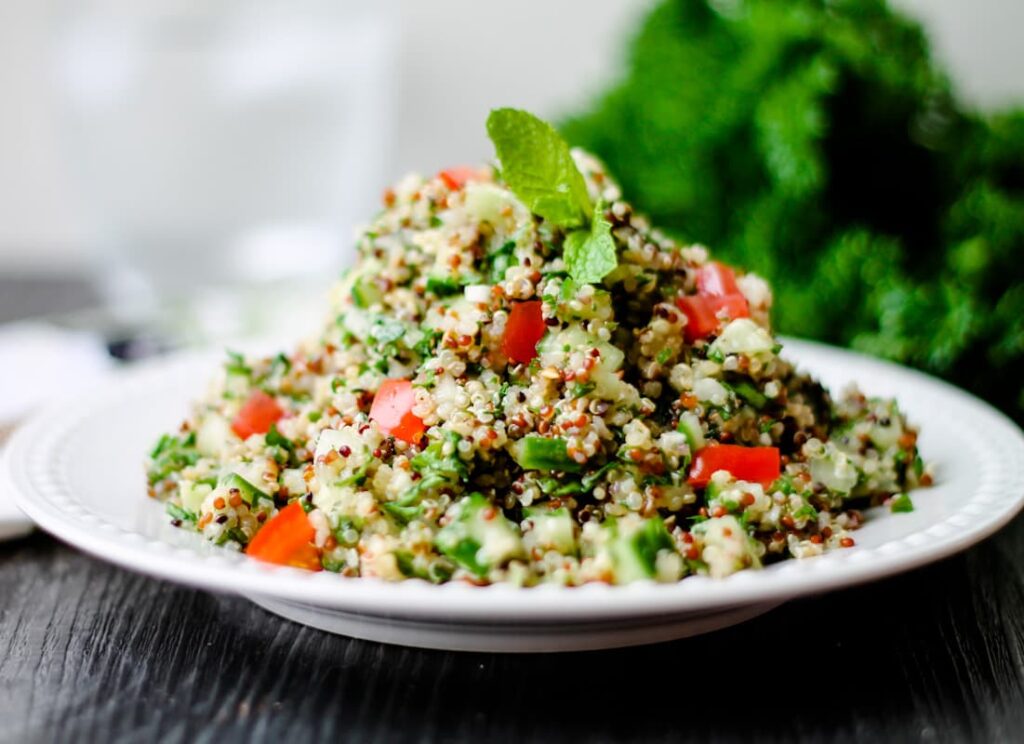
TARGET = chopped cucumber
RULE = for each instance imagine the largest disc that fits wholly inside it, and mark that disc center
(214, 433)
(365, 293)
(834, 469)
(634, 547)
(743, 336)
(689, 426)
(555, 348)
(489, 203)
(478, 537)
(726, 546)
(887, 430)
(193, 495)
(542, 453)
(552, 529)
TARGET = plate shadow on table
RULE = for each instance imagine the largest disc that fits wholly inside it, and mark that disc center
(100, 654)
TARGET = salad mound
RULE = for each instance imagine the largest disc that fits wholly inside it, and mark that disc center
(522, 381)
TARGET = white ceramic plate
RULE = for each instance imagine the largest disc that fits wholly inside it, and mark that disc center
(77, 469)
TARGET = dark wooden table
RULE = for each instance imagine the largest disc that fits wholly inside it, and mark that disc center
(89, 652)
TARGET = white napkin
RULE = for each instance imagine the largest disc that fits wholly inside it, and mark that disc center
(39, 362)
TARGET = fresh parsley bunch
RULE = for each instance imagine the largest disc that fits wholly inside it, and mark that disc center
(818, 144)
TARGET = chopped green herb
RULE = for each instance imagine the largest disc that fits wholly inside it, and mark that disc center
(281, 365)
(580, 389)
(901, 503)
(236, 534)
(436, 572)
(171, 455)
(443, 287)
(404, 513)
(806, 512)
(589, 481)
(236, 364)
(783, 483)
(274, 438)
(332, 564)
(428, 380)
(750, 394)
(498, 261)
(178, 512)
(425, 346)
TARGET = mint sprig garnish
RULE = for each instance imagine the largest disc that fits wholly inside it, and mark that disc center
(538, 167)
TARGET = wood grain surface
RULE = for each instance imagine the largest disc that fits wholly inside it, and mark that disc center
(89, 652)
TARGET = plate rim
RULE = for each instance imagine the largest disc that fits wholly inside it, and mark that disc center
(222, 571)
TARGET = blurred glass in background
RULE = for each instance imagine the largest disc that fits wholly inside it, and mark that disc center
(221, 144)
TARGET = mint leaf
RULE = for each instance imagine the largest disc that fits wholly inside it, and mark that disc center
(590, 255)
(537, 166)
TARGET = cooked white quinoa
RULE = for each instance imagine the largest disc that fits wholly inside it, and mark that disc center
(627, 401)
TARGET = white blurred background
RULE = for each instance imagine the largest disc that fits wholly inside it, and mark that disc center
(306, 150)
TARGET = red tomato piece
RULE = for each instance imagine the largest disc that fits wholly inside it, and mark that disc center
(456, 178)
(287, 540)
(704, 313)
(392, 410)
(524, 330)
(716, 279)
(256, 415)
(700, 317)
(754, 464)
(731, 306)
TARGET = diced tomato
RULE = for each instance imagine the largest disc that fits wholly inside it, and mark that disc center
(392, 410)
(700, 317)
(718, 297)
(256, 415)
(456, 178)
(704, 313)
(287, 540)
(716, 279)
(524, 329)
(754, 464)
(731, 306)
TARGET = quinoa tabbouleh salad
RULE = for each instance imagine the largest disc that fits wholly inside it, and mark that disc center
(522, 381)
